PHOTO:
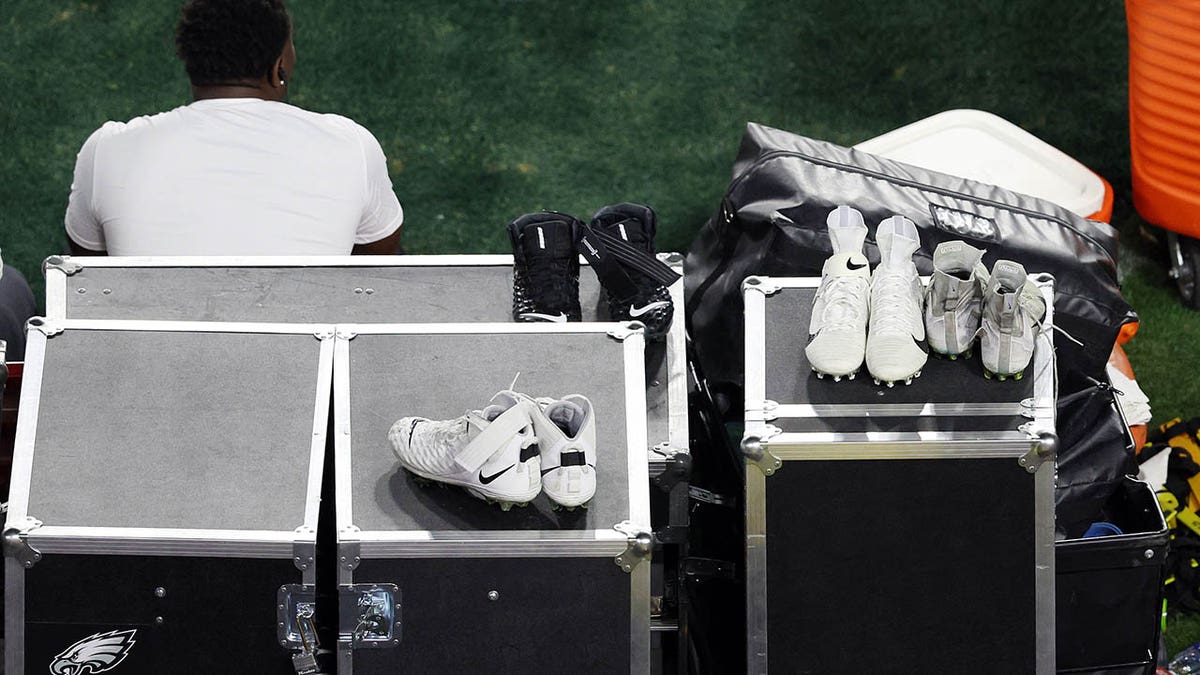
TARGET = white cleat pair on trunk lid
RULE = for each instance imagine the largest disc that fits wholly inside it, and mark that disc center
(509, 451)
(883, 318)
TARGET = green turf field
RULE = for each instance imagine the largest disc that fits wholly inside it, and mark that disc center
(491, 109)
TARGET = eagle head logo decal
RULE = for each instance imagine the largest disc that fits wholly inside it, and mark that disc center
(97, 653)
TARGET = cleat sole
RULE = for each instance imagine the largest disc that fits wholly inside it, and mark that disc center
(836, 377)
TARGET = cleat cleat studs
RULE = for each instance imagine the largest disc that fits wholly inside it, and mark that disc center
(1019, 375)
(851, 376)
(987, 374)
(505, 506)
(917, 374)
(908, 381)
(876, 380)
(891, 384)
(820, 375)
(837, 378)
(953, 357)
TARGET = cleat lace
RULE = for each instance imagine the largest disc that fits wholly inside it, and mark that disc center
(844, 302)
(895, 314)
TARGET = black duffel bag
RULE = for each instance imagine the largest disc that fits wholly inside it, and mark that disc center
(771, 222)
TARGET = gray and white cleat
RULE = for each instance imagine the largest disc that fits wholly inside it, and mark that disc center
(1013, 310)
(953, 299)
(492, 453)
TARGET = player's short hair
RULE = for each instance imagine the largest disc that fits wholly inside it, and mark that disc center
(224, 40)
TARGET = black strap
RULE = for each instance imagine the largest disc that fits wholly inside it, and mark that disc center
(612, 276)
(638, 260)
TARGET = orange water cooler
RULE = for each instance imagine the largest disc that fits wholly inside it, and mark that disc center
(1164, 128)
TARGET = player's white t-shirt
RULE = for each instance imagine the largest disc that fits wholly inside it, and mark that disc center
(231, 177)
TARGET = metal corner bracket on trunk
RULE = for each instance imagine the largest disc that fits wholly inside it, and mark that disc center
(759, 455)
(16, 542)
(641, 544)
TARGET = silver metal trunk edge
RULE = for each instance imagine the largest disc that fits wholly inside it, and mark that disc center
(16, 541)
(14, 616)
(1045, 449)
(764, 285)
(641, 544)
(1044, 562)
(63, 263)
(758, 454)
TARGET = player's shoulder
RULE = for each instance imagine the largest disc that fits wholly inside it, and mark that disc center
(114, 128)
(341, 124)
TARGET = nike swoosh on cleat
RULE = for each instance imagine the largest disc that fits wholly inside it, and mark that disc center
(557, 318)
(638, 311)
(487, 479)
(855, 266)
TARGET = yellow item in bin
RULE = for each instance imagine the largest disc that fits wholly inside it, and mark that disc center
(1169, 506)
(1189, 518)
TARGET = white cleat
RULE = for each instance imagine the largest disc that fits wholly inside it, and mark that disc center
(490, 452)
(897, 331)
(1013, 310)
(566, 432)
(837, 328)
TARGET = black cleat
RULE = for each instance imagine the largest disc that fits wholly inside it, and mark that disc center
(545, 267)
(644, 299)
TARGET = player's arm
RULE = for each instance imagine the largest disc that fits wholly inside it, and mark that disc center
(379, 229)
(85, 234)
(389, 245)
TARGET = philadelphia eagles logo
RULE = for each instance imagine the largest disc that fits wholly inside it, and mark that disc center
(98, 653)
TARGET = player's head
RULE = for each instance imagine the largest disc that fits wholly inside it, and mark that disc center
(235, 41)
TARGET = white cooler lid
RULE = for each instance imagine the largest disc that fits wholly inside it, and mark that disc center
(987, 148)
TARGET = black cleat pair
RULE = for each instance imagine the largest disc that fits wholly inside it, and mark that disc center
(618, 243)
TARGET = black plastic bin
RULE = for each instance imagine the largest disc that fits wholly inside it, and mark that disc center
(1109, 589)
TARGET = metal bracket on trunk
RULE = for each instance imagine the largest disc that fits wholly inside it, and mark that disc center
(757, 454)
(1043, 450)
(304, 551)
(761, 284)
(295, 608)
(61, 263)
(641, 543)
(16, 541)
(369, 615)
(678, 469)
(349, 549)
(766, 408)
(626, 329)
(44, 326)
(1028, 408)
